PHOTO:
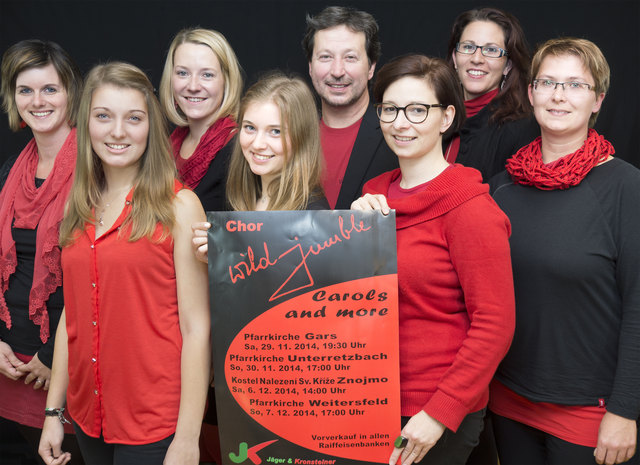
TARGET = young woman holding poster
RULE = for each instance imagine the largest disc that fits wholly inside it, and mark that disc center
(200, 89)
(456, 302)
(567, 391)
(490, 54)
(132, 348)
(277, 158)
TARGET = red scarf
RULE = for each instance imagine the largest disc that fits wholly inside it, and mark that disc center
(475, 105)
(192, 170)
(472, 108)
(33, 207)
(526, 166)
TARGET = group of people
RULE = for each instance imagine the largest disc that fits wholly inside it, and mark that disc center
(522, 294)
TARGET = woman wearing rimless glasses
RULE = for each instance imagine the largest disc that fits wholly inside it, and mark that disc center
(454, 270)
(489, 52)
(567, 392)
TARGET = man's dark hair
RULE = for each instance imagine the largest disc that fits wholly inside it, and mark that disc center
(356, 20)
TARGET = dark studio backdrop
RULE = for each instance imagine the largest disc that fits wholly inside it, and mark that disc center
(267, 35)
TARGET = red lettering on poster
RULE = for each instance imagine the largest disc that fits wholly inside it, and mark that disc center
(248, 265)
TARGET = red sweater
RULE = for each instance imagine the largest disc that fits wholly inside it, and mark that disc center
(456, 293)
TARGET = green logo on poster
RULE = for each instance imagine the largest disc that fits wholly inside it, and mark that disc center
(244, 452)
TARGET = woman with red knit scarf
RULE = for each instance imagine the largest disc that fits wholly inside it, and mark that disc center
(568, 390)
(456, 304)
(489, 52)
(41, 87)
(200, 91)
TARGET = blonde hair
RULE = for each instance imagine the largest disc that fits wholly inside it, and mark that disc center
(153, 195)
(299, 180)
(590, 55)
(231, 72)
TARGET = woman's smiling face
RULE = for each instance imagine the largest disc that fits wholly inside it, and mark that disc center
(477, 73)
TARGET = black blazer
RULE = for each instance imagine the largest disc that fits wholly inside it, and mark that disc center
(370, 157)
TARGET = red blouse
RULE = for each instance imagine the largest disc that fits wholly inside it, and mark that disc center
(124, 335)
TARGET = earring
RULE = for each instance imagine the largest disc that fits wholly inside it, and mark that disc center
(23, 124)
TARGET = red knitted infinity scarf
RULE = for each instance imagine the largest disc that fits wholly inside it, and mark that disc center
(193, 169)
(33, 207)
(526, 166)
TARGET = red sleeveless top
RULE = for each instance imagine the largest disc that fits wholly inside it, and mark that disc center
(124, 335)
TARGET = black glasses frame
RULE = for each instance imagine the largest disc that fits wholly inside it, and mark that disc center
(427, 106)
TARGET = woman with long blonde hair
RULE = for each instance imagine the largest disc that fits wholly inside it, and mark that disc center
(200, 91)
(132, 349)
(277, 159)
(294, 182)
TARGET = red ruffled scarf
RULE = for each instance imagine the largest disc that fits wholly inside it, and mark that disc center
(526, 166)
(192, 170)
(33, 207)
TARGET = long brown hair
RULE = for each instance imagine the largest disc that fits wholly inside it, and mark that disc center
(512, 102)
(153, 194)
(299, 179)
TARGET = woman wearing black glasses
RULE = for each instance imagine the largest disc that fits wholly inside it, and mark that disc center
(489, 52)
(454, 270)
(568, 391)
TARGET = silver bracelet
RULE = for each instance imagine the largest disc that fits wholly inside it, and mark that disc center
(56, 412)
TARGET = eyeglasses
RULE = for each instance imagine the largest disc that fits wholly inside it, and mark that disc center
(490, 51)
(415, 112)
(547, 86)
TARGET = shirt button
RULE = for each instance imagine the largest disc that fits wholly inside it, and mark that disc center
(93, 360)
(91, 246)
(94, 323)
(93, 284)
(95, 392)
(127, 203)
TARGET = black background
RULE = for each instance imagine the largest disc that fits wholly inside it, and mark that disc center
(267, 35)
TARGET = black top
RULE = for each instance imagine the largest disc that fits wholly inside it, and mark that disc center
(24, 336)
(211, 190)
(318, 202)
(576, 268)
(4, 170)
(486, 146)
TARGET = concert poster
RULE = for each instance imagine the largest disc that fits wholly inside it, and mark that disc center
(304, 312)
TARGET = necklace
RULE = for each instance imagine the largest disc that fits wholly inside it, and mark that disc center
(108, 204)
(100, 220)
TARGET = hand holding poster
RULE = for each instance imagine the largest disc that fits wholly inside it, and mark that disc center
(305, 333)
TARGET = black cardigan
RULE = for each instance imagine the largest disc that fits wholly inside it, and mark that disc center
(486, 146)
